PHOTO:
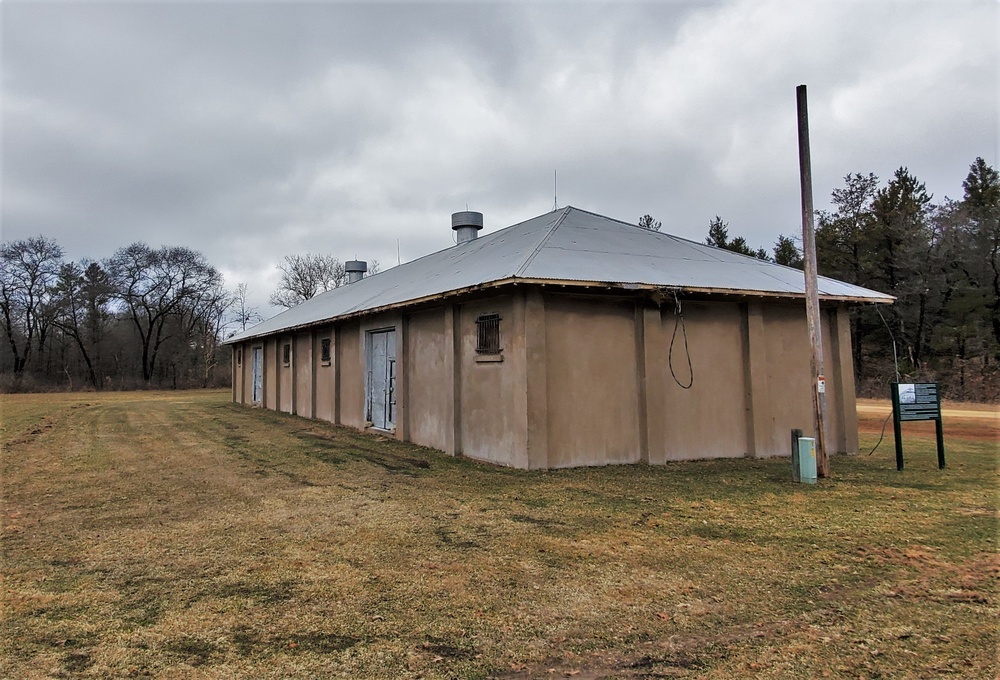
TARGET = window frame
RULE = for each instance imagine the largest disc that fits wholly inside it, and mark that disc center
(489, 339)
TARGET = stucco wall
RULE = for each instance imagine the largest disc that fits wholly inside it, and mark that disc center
(352, 376)
(834, 419)
(271, 384)
(708, 420)
(491, 392)
(242, 353)
(325, 376)
(843, 380)
(788, 391)
(787, 399)
(582, 381)
(285, 374)
(303, 371)
(429, 387)
(592, 382)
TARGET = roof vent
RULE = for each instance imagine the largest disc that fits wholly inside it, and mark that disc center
(355, 270)
(466, 225)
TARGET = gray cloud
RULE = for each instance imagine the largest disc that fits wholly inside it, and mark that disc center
(252, 130)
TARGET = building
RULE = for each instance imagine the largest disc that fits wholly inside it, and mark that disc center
(569, 339)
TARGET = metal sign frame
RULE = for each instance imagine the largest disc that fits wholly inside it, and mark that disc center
(915, 402)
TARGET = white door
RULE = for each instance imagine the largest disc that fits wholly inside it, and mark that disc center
(380, 360)
(257, 375)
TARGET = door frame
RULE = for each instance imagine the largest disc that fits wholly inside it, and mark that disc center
(257, 375)
(386, 385)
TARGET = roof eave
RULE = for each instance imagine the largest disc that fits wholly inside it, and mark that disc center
(707, 290)
(512, 281)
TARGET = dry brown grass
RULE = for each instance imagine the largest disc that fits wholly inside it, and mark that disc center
(177, 535)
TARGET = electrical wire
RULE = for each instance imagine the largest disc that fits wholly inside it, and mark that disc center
(895, 355)
(895, 365)
(882, 434)
(679, 321)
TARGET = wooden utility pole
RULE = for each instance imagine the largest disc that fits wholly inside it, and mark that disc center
(812, 292)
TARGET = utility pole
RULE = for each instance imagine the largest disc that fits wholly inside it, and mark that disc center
(813, 318)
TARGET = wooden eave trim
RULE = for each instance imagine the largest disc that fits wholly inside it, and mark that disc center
(564, 283)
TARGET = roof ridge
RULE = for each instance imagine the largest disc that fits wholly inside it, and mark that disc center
(541, 244)
(609, 219)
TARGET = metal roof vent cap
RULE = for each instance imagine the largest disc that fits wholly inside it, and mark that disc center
(355, 270)
(466, 225)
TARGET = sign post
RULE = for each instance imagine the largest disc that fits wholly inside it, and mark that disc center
(912, 402)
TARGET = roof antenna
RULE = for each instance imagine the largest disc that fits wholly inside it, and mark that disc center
(555, 187)
(397, 252)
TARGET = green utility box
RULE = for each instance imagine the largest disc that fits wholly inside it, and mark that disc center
(804, 461)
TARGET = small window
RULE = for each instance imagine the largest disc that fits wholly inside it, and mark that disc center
(488, 334)
(324, 350)
(239, 356)
(286, 355)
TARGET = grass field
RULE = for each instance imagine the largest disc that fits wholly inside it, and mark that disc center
(177, 535)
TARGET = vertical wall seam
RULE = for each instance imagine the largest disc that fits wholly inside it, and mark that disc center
(403, 379)
(758, 398)
(312, 373)
(639, 318)
(536, 367)
(456, 387)
(338, 355)
(751, 430)
(277, 373)
(293, 370)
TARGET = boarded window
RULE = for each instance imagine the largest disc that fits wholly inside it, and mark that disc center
(488, 334)
(286, 354)
(324, 350)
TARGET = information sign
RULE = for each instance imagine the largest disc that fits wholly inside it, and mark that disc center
(916, 401)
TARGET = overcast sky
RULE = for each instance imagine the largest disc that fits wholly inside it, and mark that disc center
(252, 130)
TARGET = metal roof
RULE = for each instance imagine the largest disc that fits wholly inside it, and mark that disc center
(569, 246)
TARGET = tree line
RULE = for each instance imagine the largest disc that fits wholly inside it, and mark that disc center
(144, 317)
(155, 317)
(941, 261)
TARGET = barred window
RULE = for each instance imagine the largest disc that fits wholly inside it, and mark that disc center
(286, 356)
(488, 334)
(324, 350)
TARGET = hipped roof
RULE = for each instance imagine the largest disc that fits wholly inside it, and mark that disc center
(566, 246)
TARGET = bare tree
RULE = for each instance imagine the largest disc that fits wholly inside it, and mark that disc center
(305, 276)
(28, 270)
(202, 319)
(153, 285)
(244, 313)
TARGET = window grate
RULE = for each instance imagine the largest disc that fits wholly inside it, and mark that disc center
(239, 356)
(324, 350)
(286, 356)
(488, 334)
